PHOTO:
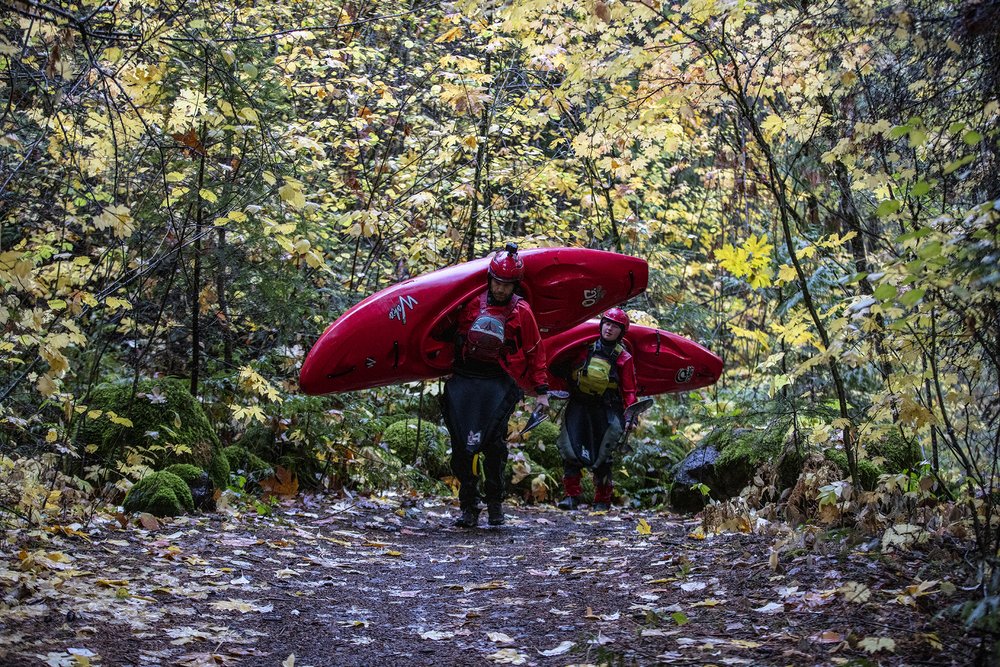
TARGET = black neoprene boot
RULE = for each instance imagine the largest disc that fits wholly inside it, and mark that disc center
(469, 518)
(568, 503)
(495, 511)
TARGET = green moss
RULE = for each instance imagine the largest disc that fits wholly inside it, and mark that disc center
(540, 443)
(401, 438)
(167, 423)
(257, 438)
(161, 494)
(752, 446)
(898, 454)
(186, 471)
(246, 462)
(867, 471)
(218, 470)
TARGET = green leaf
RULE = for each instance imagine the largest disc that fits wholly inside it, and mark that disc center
(955, 164)
(911, 297)
(680, 618)
(956, 127)
(57, 304)
(920, 188)
(888, 207)
(899, 131)
(971, 138)
(929, 250)
(885, 291)
(918, 137)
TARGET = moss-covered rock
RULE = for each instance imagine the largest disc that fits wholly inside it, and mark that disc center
(401, 438)
(161, 419)
(246, 463)
(897, 453)
(160, 493)
(199, 482)
(540, 443)
(188, 472)
(867, 471)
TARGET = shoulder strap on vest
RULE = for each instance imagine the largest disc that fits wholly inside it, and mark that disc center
(484, 302)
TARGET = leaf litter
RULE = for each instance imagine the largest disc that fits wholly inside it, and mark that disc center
(351, 582)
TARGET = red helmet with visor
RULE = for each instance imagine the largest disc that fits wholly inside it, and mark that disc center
(506, 266)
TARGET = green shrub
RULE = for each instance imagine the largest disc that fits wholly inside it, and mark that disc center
(375, 469)
(161, 494)
(540, 443)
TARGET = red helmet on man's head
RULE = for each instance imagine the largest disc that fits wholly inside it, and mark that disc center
(618, 316)
(506, 266)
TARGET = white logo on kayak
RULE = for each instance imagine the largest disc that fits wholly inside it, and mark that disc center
(398, 312)
(592, 296)
(684, 374)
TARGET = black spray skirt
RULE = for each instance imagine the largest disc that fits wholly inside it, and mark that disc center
(477, 409)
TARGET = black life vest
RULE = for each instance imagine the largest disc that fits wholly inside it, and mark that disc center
(486, 336)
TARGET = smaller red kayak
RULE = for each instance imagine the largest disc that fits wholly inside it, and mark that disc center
(664, 361)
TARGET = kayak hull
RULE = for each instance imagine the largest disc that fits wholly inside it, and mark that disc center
(664, 361)
(398, 334)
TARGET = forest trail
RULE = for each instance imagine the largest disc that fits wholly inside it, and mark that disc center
(388, 580)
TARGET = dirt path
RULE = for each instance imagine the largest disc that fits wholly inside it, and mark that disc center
(389, 581)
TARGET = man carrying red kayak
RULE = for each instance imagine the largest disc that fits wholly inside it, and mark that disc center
(602, 384)
(498, 351)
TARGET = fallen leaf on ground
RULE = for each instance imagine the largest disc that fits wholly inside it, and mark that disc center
(508, 656)
(437, 635)
(564, 647)
(709, 602)
(499, 638)
(241, 606)
(876, 644)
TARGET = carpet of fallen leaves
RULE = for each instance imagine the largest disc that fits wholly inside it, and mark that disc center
(365, 581)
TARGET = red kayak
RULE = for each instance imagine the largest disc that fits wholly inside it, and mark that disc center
(664, 361)
(386, 338)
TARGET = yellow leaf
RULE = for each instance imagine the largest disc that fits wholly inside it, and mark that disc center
(208, 195)
(710, 602)
(248, 114)
(643, 527)
(450, 36)
(786, 273)
(292, 194)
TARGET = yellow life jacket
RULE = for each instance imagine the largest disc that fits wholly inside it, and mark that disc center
(598, 372)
